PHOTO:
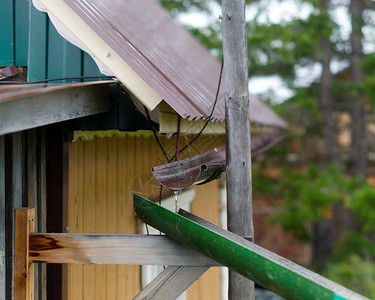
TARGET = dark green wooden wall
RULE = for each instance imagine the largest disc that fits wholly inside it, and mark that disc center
(28, 39)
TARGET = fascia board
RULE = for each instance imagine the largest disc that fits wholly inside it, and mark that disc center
(76, 31)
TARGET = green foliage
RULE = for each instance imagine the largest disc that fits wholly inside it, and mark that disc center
(356, 242)
(354, 273)
(263, 183)
(179, 6)
(209, 37)
(274, 49)
(309, 194)
(364, 207)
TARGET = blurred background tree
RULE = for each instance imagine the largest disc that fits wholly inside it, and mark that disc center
(322, 53)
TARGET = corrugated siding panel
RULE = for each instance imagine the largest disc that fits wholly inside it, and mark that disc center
(89, 67)
(38, 27)
(14, 32)
(6, 33)
(29, 39)
(21, 32)
(103, 173)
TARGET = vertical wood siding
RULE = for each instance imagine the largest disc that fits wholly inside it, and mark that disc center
(2, 218)
(103, 173)
(22, 184)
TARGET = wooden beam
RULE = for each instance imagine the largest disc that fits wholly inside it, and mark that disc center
(2, 218)
(237, 125)
(171, 283)
(117, 249)
(41, 212)
(53, 106)
(23, 269)
(14, 190)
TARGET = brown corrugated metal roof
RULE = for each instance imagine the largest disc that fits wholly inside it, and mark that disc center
(163, 54)
(167, 57)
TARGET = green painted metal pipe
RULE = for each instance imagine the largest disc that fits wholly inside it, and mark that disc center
(271, 271)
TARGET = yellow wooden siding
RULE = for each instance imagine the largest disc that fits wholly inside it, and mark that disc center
(103, 173)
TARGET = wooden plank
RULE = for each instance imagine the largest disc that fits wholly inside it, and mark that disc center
(18, 175)
(2, 218)
(23, 269)
(89, 206)
(14, 195)
(117, 249)
(64, 204)
(72, 210)
(237, 126)
(128, 277)
(54, 106)
(75, 282)
(112, 212)
(31, 185)
(101, 204)
(31, 154)
(41, 212)
(171, 283)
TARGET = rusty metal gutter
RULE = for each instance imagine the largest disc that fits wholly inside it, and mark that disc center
(206, 166)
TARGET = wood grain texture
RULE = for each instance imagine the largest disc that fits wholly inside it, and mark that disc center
(23, 269)
(41, 212)
(170, 283)
(30, 111)
(117, 249)
(14, 192)
(2, 218)
(237, 123)
(103, 205)
(89, 207)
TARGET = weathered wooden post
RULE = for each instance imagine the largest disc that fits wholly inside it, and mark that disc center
(237, 123)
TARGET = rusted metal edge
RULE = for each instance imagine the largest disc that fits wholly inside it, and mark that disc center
(10, 92)
(207, 166)
(7, 72)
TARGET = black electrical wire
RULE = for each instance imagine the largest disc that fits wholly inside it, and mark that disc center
(192, 141)
(203, 128)
(212, 111)
(56, 79)
(155, 135)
